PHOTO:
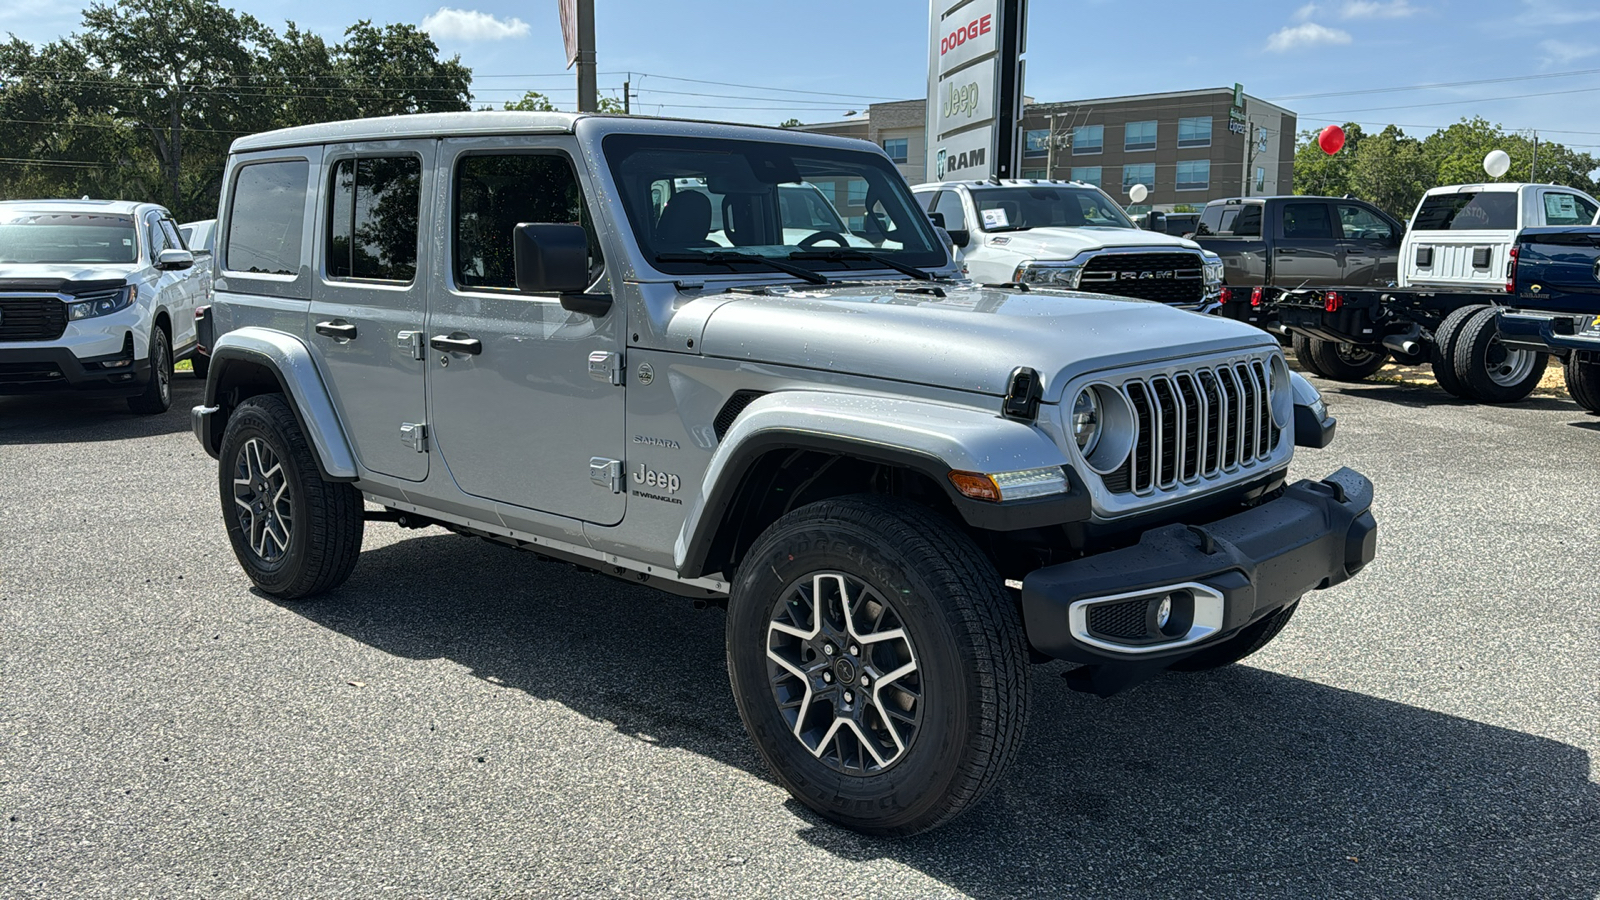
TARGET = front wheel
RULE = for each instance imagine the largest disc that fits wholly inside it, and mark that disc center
(878, 663)
(156, 398)
(294, 534)
(1347, 362)
(1583, 381)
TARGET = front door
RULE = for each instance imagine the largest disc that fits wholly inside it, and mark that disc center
(369, 298)
(1371, 246)
(1307, 251)
(517, 414)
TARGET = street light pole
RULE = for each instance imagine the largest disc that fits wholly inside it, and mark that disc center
(588, 94)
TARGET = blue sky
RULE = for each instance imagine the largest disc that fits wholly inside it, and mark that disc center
(860, 50)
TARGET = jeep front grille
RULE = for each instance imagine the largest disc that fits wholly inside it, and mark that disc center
(1196, 424)
(1164, 277)
(25, 318)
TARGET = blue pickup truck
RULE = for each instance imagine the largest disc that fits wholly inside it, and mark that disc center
(1553, 303)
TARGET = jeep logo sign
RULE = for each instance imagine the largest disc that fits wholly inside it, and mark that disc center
(964, 38)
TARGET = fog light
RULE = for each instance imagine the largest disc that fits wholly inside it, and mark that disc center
(1164, 612)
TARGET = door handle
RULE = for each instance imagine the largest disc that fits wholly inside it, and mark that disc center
(456, 345)
(338, 329)
(1288, 251)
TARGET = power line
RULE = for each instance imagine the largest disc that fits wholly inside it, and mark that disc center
(1340, 112)
(757, 87)
(1435, 85)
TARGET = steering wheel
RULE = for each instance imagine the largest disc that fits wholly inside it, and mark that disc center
(811, 240)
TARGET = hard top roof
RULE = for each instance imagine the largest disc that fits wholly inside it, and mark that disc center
(126, 207)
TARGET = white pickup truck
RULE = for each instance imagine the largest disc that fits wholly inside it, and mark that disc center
(1461, 235)
(95, 296)
(1068, 234)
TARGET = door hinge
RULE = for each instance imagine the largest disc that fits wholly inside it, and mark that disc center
(411, 341)
(606, 366)
(606, 473)
(414, 435)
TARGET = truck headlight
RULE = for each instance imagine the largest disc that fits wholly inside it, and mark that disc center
(1086, 420)
(103, 305)
(1213, 266)
(1047, 273)
(1280, 392)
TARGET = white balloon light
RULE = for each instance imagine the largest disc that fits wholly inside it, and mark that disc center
(1497, 163)
(1138, 192)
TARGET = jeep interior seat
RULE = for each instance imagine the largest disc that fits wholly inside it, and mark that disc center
(685, 221)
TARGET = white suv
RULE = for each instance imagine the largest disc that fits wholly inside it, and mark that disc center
(95, 296)
(1067, 234)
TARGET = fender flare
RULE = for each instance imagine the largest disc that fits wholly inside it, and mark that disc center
(930, 438)
(289, 361)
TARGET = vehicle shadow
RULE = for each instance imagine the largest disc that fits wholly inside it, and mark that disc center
(68, 418)
(1592, 426)
(1237, 783)
(1422, 395)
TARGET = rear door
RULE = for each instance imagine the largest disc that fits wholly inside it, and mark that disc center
(1306, 246)
(1370, 244)
(368, 303)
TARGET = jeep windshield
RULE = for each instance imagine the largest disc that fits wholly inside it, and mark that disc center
(67, 238)
(702, 207)
(1046, 206)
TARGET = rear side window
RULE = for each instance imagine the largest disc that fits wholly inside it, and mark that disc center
(267, 217)
(1248, 223)
(372, 220)
(1224, 220)
(494, 194)
(1567, 209)
(1470, 211)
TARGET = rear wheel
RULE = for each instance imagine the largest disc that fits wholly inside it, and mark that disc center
(295, 534)
(1583, 381)
(1253, 637)
(1444, 349)
(878, 663)
(1302, 353)
(157, 395)
(1490, 371)
(1347, 362)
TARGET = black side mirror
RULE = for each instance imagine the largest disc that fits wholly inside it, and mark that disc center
(937, 219)
(555, 259)
(961, 236)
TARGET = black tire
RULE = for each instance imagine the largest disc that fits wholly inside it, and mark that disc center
(1444, 349)
(1302, 353)
(964, 722)
(1251, 638)
(302, 534)
(157, 395)
(1348, 362)
(1491, 372)
(201, 364)
(1583, 381)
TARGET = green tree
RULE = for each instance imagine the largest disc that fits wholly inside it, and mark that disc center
(1320, 174)
(1391, 172)
(791, 123)
(532, 101)
(396, 70)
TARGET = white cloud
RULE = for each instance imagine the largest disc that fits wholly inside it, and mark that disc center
(1306, 34)
(1305, 12)
(1565, 52)
(471, 25)
(1553, 14)
(1377, 9)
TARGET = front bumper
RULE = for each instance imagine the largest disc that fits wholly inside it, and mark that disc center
(42, 370)
(1222, 576)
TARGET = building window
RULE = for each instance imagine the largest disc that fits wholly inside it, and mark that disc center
(1195, 132)
(1194, 174)
(855, 192)
(899, 149)
(1144, 173)
(1139, 136)
(1261, 179)
(1036, 142)
(1035, 173)
(1086, 174)
(1088, 139)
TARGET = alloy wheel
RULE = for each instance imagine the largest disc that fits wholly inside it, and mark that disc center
(261, 500)
(844, 673)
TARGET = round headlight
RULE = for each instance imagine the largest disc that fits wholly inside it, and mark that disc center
(1086, 420)
(1281, 392)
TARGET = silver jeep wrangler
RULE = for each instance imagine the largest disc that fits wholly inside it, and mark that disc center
(625, 343)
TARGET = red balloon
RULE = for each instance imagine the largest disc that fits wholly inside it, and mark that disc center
(1331, 139)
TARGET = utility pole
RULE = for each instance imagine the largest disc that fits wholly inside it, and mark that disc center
(1534, 175)
(588, 95)
(627, 109)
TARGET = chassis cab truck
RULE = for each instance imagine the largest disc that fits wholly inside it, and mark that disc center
(904, 487)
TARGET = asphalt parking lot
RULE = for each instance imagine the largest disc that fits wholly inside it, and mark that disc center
(463, 720)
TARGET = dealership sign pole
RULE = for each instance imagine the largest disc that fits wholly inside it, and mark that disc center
(974, 88)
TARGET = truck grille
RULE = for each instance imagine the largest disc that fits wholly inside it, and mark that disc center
(32, 318)
(1196, 424)
(1164, 277)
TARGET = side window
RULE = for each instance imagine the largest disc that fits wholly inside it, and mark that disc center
(1210, 221)
(949, 206)
(1247, 223)
(267, 215)
(925, 199)
(156, 237)
(1306, 221)
(1567, 209)
(494, 194)
(1361, 224)
(374, 203)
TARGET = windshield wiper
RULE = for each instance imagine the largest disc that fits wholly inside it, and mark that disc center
(842, 253)
(727, 258)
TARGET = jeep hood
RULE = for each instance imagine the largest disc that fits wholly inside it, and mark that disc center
(1064, 243)
(969, 340)
(66, 271)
